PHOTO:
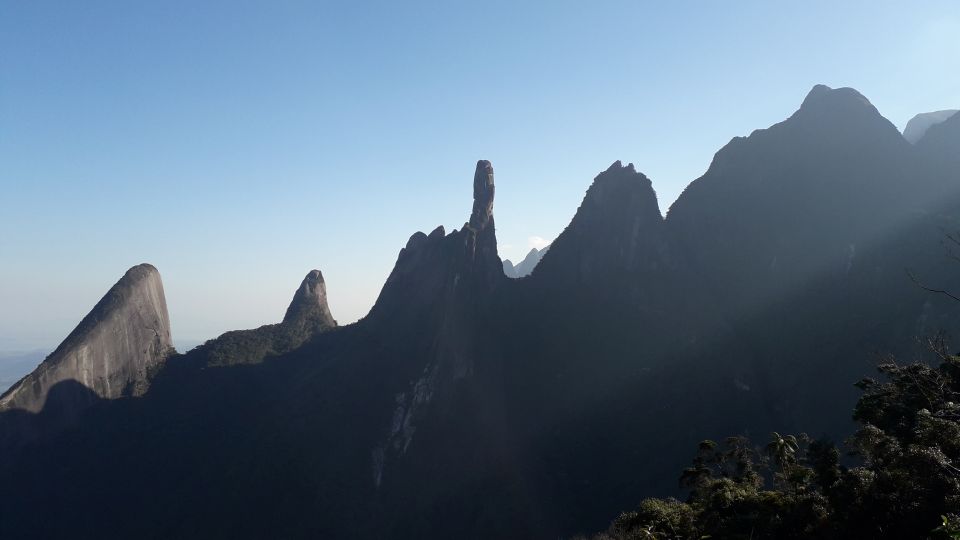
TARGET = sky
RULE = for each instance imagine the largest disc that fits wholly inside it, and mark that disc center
(236, 145)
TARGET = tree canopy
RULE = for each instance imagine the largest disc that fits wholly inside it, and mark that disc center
(897, 476)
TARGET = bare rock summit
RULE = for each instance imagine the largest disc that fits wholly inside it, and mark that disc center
(309, 304)
(112, 352)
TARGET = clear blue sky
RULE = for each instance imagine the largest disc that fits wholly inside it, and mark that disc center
(236, 145)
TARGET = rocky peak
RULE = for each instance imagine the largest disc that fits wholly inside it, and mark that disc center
(784, 204)
(625, 188)
(113, 351)
(483, 192)
(307, 315)
(822, 95)
(827, 144)
(841, 115)
(440, 263)
(617, 228)
(525, 267)
(310, 301)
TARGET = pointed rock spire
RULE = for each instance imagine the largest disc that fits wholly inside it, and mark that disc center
(310, 302)
(438, 263)
(483, 192)
(307, 315)
(112, 352)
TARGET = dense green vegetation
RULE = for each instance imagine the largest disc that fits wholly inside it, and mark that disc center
(252, 346)
(900, 477)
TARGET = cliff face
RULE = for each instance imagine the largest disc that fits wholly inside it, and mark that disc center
(113, 351)
(309, 305)
(431, 312)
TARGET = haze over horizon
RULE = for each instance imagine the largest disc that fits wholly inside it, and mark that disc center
(264, 141)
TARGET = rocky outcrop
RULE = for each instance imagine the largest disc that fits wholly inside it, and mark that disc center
(307, 315)
(309, 305)
(918, 125)
(438, 265)
(433, 304)
(483, 192)
(113, 352)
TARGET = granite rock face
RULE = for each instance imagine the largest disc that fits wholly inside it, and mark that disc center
(113, 351)
(483, 192)
(309, 303)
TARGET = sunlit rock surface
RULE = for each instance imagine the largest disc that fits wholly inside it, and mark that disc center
(113, 351)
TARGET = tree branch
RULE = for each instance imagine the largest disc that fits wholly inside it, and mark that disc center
(930, 289)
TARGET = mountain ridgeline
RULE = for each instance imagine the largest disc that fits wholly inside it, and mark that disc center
(470, 405)
(307, 314)
(525, 267)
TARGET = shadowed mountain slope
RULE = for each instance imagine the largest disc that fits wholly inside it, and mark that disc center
(469, 405)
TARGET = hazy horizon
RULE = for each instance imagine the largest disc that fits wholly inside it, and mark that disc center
(236, 148)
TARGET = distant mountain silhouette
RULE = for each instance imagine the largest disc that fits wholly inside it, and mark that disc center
(525, 267)
(918, 125)
(470, 405)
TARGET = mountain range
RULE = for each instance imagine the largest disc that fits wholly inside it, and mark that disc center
(525, 267)
(470, 405)
(918, 125)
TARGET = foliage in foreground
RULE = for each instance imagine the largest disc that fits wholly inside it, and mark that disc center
(906, 482)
